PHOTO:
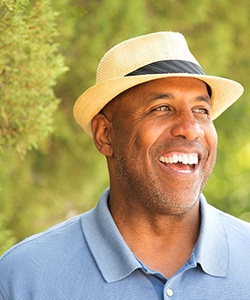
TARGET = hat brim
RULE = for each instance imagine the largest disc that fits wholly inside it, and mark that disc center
(224, 93)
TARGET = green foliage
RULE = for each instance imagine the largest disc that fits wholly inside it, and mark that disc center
(29, 67)
(66, 174)
(6, 237)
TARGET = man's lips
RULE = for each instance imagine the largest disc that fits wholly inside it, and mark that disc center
(180, 162)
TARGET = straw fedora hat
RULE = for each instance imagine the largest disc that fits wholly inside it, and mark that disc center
(145, 58)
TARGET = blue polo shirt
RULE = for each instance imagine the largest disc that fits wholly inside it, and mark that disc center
(86, 258)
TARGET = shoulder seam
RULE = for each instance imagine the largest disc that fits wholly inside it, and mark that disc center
(41, 234)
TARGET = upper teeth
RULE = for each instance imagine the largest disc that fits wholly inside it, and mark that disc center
(183, 158)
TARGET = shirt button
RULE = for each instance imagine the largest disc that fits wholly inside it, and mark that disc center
(169, 292)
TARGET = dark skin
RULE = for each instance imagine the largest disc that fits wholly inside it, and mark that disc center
(155, 203)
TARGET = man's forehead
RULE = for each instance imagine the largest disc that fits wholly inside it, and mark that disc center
(161, 88)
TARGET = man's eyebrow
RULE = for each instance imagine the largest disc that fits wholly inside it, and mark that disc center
(159, 96)
(205, 99)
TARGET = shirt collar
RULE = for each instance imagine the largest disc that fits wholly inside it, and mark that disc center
(116, 261)
(212, 251)
(114, 258)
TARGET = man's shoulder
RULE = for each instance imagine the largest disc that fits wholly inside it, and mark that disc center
(233, 220)
(53, 239)
(54, 264)
(235, 227)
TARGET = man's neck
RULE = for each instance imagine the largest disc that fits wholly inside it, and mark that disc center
(162, 242)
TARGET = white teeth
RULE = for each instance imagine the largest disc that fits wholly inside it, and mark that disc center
(191, 159)
(175, 158)
(185, 159)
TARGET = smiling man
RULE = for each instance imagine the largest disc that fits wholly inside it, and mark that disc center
(152, 234)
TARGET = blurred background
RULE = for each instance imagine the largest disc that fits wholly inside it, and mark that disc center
(49, 51)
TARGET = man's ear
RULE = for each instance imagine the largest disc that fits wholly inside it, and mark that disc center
(101, 128)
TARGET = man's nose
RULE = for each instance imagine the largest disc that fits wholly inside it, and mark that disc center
(187, 127)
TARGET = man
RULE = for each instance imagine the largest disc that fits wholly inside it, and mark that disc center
(152, 234)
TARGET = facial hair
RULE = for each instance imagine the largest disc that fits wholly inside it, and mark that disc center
(146, 188)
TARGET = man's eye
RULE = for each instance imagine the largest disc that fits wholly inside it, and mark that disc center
(203, 111)
(163, 108)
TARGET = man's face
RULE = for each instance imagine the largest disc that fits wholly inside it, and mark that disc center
(163, 143)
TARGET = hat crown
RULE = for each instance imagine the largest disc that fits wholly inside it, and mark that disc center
(135, 53)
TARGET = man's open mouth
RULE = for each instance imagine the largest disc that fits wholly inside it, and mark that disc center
(180, 162)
